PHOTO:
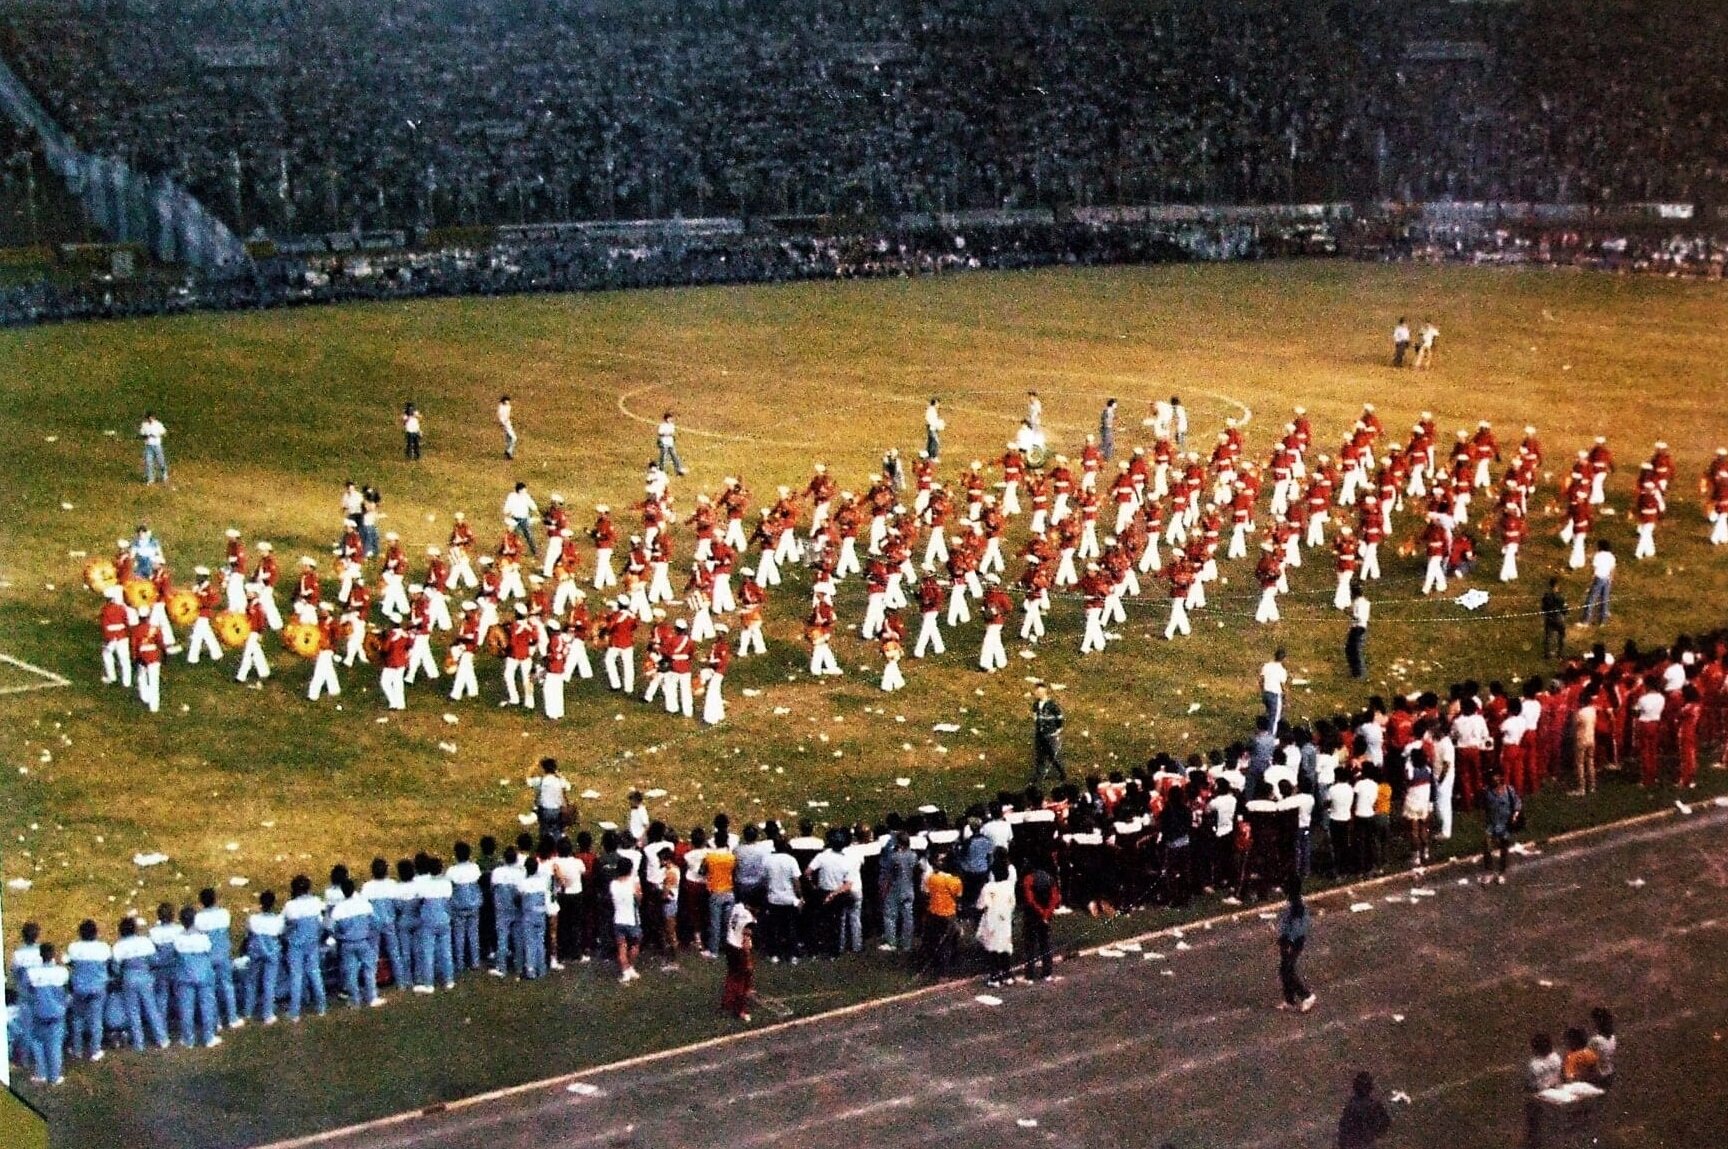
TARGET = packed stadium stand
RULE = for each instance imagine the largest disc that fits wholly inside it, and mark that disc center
(315, 115)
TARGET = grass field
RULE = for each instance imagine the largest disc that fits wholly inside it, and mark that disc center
(269, 412)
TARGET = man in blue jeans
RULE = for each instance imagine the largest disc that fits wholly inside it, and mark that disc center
(666, 437)
(898, 875)
(1602, 566)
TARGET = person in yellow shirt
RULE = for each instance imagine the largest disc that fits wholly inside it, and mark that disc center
(942, 889)
(1581, 1062)
(718, 866)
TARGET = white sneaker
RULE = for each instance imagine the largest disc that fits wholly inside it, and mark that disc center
(379, 1002)
(1308, 1003)
(424, 989)
(237, 1023)
(449, 985)
(557, 965)
(98, 1055)
(213, 1042)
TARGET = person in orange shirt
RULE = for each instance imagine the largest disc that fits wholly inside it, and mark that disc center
(942, 888)
(718, 867)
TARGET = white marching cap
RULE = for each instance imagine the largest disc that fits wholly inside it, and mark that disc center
(266, 546)
(434, 551)
(391, 536)
(470, 604)
(993, 579)
(308, 561)
(416, 588)
(201, 572)
(115, 592)
(232, 533)
(556, 497)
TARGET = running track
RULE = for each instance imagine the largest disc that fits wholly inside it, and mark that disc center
(1179, 1042)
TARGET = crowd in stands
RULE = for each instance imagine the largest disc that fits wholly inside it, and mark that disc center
(325, 115)
(1349, 795)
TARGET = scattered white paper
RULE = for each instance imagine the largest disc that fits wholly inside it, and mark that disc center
(1026, 1122)
(1361, 907)
(590, 794)
(19, 884)
(1399, 1097)
(1682, 807)
(1183, 946)
(526, 819)
(1636, 883)
(902, 782)
(451, 720)
(238, 881)
(149, 859)
(946, 728)
(583, 1089)
(1419, 892)
(987, 999)
(654, 793)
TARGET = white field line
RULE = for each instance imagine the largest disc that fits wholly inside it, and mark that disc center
(51, 680)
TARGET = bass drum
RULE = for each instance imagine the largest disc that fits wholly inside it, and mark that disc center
(140, 594)
(232, 629)
(1037, 456)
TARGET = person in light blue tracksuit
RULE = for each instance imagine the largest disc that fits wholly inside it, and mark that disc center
(49, 1002)
(533, 892)
(465, 900)
(132, 954)
(303, 939)
(380, 894)
(215, 923)
(24, 959)
(195, 983)
(264, 931)
(87, 962)
(162, 935)
(435, 963)
(506, 912)
(356, 946)
(408, 921)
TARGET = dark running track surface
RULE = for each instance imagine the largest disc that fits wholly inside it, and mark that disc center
(1187, 1048)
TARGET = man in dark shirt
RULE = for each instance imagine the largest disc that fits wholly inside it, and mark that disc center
(1554, 615)
(1046, 735)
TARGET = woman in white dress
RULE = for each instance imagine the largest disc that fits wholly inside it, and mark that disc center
(996, 922)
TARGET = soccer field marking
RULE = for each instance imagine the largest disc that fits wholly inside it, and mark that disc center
(1678, 824)
(50, 681)
(868, 392)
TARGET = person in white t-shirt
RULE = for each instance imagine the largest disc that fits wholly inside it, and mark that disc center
(1366, 790)
(1273, 677)
(1602, 566)
(1340, 801)
(551, 791)
(1300, 803)
(1221, 819)
(626, 898)
(152, 431)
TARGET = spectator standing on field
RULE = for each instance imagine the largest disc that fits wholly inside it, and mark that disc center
(1356, 641)
(666, 436)
(410, 432)
(1554, 615)
(1292, 937)
(934, 425)
(152, 431)
(1046, 735)
(1400, 342)
(1107, 430)
(507, 424)
(1602, 566)
(1273, 676)
(551, 790)
(1501, 809)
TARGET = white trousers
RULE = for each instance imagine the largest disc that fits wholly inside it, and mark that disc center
(324, 677)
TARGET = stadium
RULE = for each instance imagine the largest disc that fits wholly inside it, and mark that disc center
(1088, 573)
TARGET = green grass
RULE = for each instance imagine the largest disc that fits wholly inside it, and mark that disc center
(269, 412)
